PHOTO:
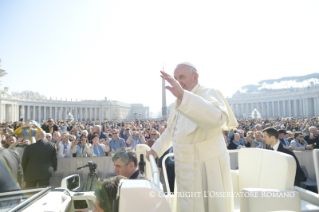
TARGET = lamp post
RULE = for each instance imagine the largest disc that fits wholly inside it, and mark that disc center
(135, 113)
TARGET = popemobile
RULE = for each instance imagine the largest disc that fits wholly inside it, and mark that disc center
(263, 184)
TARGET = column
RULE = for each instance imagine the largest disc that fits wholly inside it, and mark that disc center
(295, 108)
(64, 113)
(306, 108)
(90, 113)
(284, 108)
(28, 112)
(75, 114)
(50, 112)
(300, 108)
(38, 112)
(22, 112)
(315, 106)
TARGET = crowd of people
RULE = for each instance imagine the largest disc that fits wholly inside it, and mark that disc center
(119, 139)
(294, 133)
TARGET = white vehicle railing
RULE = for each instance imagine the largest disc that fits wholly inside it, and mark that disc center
(165, 173)
(155, 173)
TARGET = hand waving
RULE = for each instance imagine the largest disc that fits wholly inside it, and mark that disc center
(175, 88)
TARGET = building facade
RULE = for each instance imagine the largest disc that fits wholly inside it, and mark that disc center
(294, 102)
(32, 106)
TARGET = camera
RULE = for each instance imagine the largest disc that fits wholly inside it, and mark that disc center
(92, 166)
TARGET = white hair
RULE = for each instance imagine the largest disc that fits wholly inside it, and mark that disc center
(97, 126)
(312, 127)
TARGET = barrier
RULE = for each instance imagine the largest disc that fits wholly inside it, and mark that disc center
(68, 166)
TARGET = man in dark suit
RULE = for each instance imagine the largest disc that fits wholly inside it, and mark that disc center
(271, 138)
(125, 163)
(50, 126)
(11, 172)
(39, 161)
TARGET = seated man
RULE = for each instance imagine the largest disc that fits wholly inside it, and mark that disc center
(299, 143)
(282, 138)
(106, 194)
(271, 138)
(125, 163)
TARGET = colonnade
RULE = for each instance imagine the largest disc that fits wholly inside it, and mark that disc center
(302, 107)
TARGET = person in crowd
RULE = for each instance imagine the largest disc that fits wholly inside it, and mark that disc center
(153, 137)
(82, 147)
(125, 133)
(11, 142)
(170, 168)
(299, 143)
(48, 137)
(28, 131)
(234, 142)
(96, 130)
(39, 161)
(64, 146)
(106, 194)
(96, 148)
(55, 137)
(105, 146)
(11, 176)
(271, 136)
(289, 136)
(259, 143)
(283, 139)
(242, 139)
(50, 126)
(62, 126)
(313, 137)
(125, 163)
(135, 138)
(116, 142)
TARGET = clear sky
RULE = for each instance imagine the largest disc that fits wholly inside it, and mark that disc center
(90, 49)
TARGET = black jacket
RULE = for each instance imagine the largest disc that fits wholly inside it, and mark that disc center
(39, 160)
(300, 175)
(46, 128)
(10, 170)
(313, 141)
(138, 175)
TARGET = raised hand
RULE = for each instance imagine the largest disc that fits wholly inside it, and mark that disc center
(175, 88)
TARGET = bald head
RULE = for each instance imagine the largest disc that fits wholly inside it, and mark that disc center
(40, 135)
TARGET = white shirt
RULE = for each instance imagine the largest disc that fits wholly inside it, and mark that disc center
(68, 153)
(275, 147)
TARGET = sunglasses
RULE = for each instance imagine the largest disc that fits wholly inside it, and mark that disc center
(154, 134)
(114, 133)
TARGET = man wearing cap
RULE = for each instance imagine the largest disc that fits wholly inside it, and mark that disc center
(194, 128)
(282, 139)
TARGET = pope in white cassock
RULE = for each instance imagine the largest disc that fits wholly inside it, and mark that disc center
(194, 128)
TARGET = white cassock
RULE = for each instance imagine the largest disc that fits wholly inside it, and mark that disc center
(201, 157)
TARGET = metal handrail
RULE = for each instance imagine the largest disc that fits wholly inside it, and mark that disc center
(155, 173)
(29, 200)
(165, 172)
(18, 192)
